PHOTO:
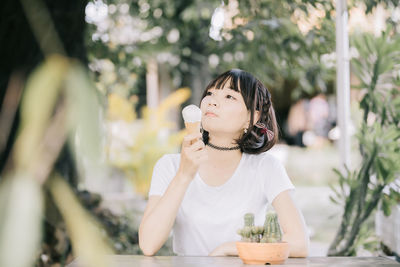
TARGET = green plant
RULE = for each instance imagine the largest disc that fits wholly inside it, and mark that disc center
(269, 233)
(272, 230)
(138, 159)
(361, 190)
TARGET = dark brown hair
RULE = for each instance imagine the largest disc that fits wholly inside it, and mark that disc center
(256, 97)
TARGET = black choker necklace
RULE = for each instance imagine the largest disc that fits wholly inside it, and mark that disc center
(223, 148)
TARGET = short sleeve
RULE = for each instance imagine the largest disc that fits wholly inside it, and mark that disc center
(274, 177)
(163, 173)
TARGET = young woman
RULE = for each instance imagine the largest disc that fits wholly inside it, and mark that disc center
(202, 193)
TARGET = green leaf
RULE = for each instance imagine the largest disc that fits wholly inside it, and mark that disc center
(386, 206)
(37, 106)
(334, 200)
(84, 114)
(21, 213)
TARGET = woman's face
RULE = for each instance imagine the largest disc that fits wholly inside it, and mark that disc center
(224, 111)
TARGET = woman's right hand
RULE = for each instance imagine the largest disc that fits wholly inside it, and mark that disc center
(193, 153)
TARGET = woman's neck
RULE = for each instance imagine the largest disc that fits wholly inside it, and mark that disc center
(222, 141)
(222, 155)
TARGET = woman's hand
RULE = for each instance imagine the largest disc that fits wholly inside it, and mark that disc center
(192, 155)
(226, 249)
(293, 225)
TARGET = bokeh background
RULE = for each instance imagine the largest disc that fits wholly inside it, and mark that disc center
(91, 97)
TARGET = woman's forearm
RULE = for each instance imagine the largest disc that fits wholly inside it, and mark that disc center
(298, 245)
(293, 225)
(155, 227)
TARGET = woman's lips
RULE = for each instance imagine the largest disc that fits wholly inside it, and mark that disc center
(210, 114)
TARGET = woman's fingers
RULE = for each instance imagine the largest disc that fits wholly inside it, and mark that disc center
(190, 139)
(192, 154)
(198, 145)
(195, 153)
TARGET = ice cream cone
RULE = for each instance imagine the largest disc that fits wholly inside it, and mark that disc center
(192, 127)
(192, 117)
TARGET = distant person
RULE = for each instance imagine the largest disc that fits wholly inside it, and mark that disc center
(319, 115)
(297, 122)
(318, 122)
(202, 193)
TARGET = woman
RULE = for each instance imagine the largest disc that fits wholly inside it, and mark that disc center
(223, 173)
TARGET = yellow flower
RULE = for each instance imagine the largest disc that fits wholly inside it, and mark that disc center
(120, 109)
(149, 142)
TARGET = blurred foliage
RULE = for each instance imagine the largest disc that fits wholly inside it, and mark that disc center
(152, 136)
(121, 231)
(371, 4)
(289, 45)
(21, 208)
(377, 179)
(51, 109)
(283, 41)
(119, 108)
(59, 113)
(262, 37)
(83, 230)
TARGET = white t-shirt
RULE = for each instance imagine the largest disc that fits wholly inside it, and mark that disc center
(210, 215)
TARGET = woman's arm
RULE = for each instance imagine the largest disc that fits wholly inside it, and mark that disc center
(293, 225)
(160, 215)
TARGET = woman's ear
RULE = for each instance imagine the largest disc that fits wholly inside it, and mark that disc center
(256, 116)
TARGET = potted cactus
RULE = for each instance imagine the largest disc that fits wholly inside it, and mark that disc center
(262, 244)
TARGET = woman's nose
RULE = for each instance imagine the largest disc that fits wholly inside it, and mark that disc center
(213, 101)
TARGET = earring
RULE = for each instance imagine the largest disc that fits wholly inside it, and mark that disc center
(245, 131)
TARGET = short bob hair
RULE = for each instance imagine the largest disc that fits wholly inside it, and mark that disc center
(256, 97)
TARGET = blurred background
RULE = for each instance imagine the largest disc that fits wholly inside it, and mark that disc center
(92, 93)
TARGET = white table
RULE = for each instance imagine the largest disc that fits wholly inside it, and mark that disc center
(163, 261)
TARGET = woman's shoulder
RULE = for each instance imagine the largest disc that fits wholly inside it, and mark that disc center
(271, 170)
(264, 158)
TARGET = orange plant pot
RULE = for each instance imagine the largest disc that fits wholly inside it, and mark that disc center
(262, 253)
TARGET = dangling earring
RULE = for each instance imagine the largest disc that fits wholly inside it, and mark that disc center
(245, 131)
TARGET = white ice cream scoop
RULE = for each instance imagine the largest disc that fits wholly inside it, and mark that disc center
(192, 117)
(191, 113)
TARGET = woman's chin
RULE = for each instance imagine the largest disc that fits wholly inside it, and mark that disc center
(211, 127)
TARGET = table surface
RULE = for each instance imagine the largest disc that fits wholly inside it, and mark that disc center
(179, 261)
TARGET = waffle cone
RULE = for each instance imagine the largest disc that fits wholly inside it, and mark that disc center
(193, 127)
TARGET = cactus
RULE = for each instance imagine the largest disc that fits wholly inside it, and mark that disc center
(272, 230)
(257, 232)
(269, 233)
(249, 219)
(249, 230)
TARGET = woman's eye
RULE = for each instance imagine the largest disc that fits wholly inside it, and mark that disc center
(230, 97)
(208, 93)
